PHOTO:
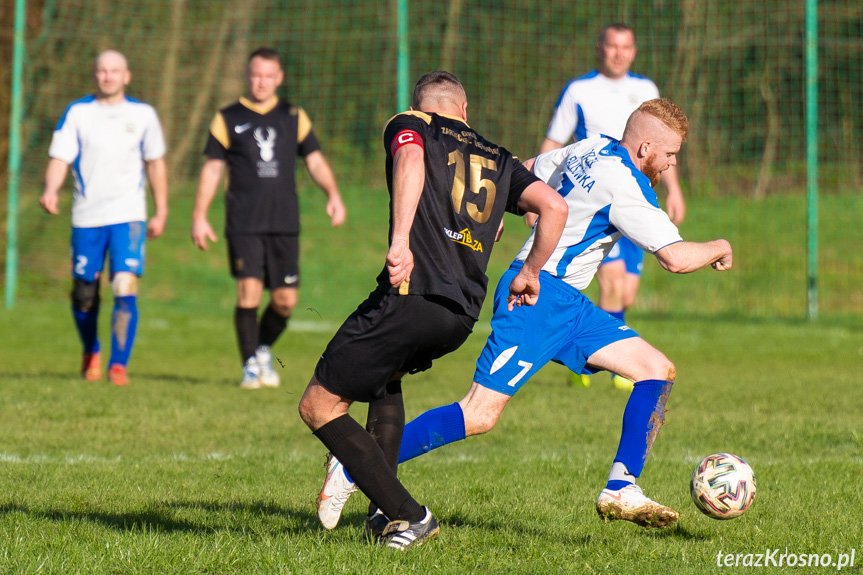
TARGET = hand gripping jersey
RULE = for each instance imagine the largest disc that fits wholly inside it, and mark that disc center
(469, 184)
(598, 105)
(260, 145)
(607, 197)
(107, 145)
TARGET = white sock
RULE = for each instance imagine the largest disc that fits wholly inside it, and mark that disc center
(619, 472)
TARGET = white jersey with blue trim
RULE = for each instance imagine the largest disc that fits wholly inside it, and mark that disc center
(595, 104)
(607, 197)
(107, 146)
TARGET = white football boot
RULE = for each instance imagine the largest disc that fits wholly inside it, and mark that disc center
(251, 375)
(267, 374)
(631, 504)
(334, 493)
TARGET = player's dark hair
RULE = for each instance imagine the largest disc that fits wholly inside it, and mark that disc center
(266, 54)
(437, 79)
(617, 27)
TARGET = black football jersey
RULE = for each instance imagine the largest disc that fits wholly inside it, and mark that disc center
(469, 184)
(260, 147)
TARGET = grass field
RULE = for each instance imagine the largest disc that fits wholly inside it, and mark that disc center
(184, 473)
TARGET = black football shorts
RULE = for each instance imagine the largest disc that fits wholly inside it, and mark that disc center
(272, 258)
(387, 334)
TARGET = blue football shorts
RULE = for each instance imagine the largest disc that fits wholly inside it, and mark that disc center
(627, 251)
(123, 242)
(563, 326)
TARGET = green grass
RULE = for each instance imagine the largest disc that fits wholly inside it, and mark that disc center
(184, 473)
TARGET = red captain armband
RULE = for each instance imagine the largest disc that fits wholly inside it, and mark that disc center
(404, 138)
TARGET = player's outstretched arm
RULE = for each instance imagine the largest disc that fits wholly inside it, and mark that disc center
(208, 184)
(540, 199)
(686, 257)
(408, 182)
(55, 175)
(157, 174)
(322, 174)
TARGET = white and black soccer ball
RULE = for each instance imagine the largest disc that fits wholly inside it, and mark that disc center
(722, 486)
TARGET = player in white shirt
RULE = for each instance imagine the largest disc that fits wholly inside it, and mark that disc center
(113, 144)
(599, 103)
(607, 187)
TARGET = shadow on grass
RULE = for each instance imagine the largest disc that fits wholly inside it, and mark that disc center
(574, 536)
(175, 516)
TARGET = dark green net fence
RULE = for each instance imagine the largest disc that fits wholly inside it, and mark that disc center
(737, 68)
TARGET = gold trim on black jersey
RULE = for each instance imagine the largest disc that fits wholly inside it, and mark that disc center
(219, 130)
(304, 125)
(421, 115)
(263, 108)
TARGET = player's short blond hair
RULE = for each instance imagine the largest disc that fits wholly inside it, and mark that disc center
(668, 113)
(438, 85)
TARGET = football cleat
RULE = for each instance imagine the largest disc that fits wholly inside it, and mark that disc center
(267, 375)
(579, 379)
(375, 525)
(621, 382)
(334, 493)
(631, 504)
(403, 534)
(91, 366)
(117, 374)
(251, 375)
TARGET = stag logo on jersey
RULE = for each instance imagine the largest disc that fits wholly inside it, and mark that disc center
(266, 142)
(464, 238)
(268, 166)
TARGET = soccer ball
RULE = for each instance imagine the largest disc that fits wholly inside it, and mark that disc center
(722, 486)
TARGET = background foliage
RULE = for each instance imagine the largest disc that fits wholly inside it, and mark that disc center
(736, 68)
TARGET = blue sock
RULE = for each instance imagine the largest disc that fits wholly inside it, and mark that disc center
(434, 428)
(124, 324)
(642, 419)
(87, 324)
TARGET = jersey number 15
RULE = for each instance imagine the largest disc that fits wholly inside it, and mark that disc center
(477, 183)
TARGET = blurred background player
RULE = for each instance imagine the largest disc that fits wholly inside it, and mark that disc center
(259, 138)
(428, 296)
(599, 103)
(110, 141)
(606, 185)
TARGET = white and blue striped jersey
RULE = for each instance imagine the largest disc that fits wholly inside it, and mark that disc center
(607, 197)
(107, 146)
(598, 105)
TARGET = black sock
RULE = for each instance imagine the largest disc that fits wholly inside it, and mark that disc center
(246, 324)
(385, 423)
(272, 326)
(365, 462)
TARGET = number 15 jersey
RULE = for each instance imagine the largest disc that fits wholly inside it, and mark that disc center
(469, 184)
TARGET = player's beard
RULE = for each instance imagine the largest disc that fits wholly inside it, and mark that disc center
(648, 170)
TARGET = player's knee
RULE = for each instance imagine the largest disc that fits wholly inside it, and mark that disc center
(304, 408)
(282, 309)
(477, 423)
(283, 301)
(657, 366)
(85, 295)
(124, 284)
(671, 373)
